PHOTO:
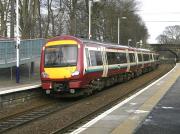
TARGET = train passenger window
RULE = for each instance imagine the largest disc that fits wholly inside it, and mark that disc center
(131, 57)
(116, 58)
(146, 57)
(122, 58)
(151, 57)
(96, 58)
(156, 57)
(111, 57)
(139, 57)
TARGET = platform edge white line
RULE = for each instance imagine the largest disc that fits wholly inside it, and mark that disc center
(19, 89)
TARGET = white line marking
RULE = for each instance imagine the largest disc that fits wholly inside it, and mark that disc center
(167, 107)
(19, 89)
(133, 104)
(93, 121)
(140, 111)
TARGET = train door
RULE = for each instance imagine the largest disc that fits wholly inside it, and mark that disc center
(142, 59)
(86, 59)
(128, 60)
(152, 57)
(136, 58)
(105, 64)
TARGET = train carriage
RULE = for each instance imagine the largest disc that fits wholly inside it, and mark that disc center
(70, 65)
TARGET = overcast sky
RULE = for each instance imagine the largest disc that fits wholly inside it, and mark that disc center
(157, 14)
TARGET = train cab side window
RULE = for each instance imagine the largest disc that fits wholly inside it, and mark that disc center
(139, 57)
(99, 58)
(96, 58)
(93, 58)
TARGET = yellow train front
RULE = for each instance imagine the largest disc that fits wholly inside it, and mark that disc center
(61, 65)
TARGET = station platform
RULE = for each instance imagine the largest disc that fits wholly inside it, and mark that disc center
(154, 110)
(27, 81)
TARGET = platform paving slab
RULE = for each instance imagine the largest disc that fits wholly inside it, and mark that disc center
(27, 81)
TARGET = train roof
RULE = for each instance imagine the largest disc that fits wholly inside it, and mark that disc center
(113, 45)
(89, 42)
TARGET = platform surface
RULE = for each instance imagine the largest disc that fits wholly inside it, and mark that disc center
(127, 116)
(165, 116)
(27, 80)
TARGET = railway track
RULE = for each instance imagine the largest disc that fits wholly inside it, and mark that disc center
(25, 117)
(16, 121)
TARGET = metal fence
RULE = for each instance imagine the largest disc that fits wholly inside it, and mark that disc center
(29, 51)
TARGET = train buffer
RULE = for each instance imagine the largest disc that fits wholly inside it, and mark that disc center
(154, 109)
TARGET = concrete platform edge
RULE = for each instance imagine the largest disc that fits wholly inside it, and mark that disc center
(18, 89)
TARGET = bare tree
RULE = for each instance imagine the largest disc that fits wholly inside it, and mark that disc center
(39, 18)
(171, 35)
(4, 12)
(28, 17)
(54, 17)
(12, 20)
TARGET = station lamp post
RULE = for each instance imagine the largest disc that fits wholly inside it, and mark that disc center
(129, 40)
(119, 24)
(139, 44)
(90, 12)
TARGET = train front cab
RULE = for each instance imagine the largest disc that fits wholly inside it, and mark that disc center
(61, 66)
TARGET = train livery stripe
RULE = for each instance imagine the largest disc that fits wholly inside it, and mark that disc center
(62, 42)
(116, 67)
(90, 70)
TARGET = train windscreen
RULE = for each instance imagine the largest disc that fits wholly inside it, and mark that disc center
(61, 56)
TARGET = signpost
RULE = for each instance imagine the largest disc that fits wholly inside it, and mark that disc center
(17, 42)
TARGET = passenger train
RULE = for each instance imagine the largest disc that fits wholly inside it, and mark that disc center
(71, 66)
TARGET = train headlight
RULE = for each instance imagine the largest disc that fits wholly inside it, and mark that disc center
(44, 75)
(76, 73)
